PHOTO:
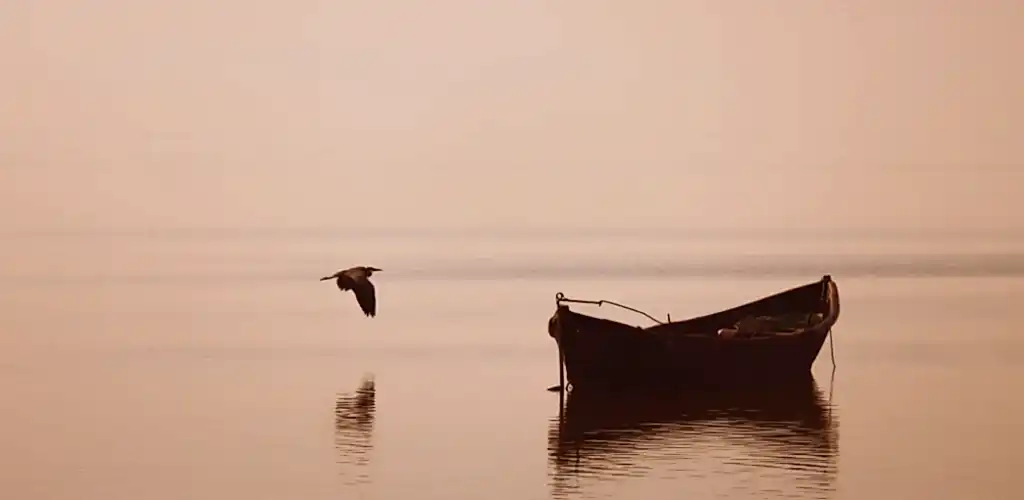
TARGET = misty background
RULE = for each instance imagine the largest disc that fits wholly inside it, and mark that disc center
(346, 115)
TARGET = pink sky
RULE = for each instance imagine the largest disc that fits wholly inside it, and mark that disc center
(675, 113)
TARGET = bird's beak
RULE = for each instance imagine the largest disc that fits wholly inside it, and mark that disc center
(325, 278)
(374, 269)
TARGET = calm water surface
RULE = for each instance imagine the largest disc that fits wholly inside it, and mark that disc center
(205, 364)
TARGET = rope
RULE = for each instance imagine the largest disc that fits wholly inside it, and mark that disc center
(831, 388)
(824, 298)
(832, 349)
(560, 297)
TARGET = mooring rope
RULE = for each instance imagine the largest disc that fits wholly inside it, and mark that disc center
(832, 349)
(560, 297)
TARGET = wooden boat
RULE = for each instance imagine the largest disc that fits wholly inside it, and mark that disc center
(775, 337)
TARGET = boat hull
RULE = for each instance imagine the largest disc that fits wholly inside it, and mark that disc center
(602, 354)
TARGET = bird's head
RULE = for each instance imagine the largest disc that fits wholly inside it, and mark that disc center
(370, 270)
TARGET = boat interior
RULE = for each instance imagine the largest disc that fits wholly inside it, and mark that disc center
(789, 312)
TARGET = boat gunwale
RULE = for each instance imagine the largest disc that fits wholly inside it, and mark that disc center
(824, 325)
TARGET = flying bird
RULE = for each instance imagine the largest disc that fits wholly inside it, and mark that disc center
(357, 280)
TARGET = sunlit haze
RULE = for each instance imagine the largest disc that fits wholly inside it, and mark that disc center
(125, 114)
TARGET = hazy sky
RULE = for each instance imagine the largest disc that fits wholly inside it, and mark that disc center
(122, 113)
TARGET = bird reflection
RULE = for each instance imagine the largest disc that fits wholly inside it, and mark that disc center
(353, 429)
(761, 441)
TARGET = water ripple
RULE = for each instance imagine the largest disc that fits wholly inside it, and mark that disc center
(353, 431)
(774, 442)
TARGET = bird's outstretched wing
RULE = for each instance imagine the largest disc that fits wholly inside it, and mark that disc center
(366, 296)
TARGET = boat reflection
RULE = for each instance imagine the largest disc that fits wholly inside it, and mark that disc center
(353, 430)
(760, 441)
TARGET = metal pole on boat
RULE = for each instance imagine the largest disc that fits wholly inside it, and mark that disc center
(561, 371)
(555, 330)
(561, 368)
(561, 380)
